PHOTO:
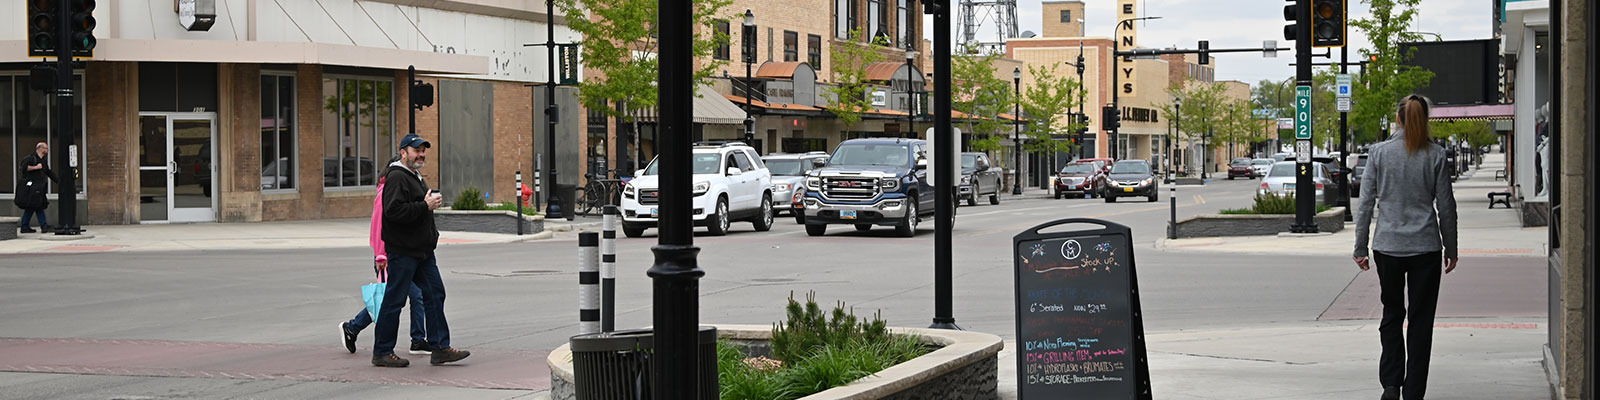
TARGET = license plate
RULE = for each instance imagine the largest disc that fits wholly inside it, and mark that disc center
(1127, 190)
(654, 212)
(1288, 186)
(847, 214)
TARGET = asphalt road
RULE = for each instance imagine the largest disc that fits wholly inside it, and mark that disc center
(524, 296)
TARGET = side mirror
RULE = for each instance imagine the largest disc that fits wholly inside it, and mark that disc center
(638, 173)
(922, 163)
(818, 162)
(734, 171)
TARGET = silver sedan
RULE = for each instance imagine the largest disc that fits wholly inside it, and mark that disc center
(1280, 180)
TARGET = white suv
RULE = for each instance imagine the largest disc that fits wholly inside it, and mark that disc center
(730, 183)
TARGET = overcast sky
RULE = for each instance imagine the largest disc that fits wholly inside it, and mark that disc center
(1246, 23)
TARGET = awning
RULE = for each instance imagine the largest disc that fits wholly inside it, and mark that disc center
(1474, 113)
(733, 99)
(712, 108)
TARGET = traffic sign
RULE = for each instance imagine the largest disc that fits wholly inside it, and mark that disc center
(1343, 88)
(1302, 150)
(1344, 105)
(1302, 112)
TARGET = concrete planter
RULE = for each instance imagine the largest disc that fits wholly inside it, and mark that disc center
(1184, 180)
(966, 366)
(487, 221)
(8, 227)
(1218, 225)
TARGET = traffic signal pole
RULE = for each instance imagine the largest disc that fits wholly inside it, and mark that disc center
(67, 192)
(943, 139)
(1304, 190)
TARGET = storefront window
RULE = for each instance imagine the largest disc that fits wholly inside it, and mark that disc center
(358, 130)
(27, 118)
(278, 151)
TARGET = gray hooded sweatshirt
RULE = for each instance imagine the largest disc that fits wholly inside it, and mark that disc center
(1418, 202)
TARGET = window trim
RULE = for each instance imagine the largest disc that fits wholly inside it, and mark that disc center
(814, 54)
(791, 46)
(393, 105)
(83, 136)
(294, 106)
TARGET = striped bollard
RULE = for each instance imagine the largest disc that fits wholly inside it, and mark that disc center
(588, 283)
(608, 269)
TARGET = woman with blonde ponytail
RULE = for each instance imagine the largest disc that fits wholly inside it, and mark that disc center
(1408, 179)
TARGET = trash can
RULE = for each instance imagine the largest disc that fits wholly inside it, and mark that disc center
(616, 365)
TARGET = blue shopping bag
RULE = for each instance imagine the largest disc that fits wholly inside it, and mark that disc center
(372, 294)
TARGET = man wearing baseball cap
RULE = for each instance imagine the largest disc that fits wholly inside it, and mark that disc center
(409, 236)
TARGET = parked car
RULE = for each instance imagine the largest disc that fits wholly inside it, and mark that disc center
(1103, 163)
(789, 175)
(1355, 175)
(978, 179)
(1261, 165)
(1281, 181)
(1241, 167)
(1282, 156)
(1081, 179)
(731, 183)
(871, 182)
(1131, 178)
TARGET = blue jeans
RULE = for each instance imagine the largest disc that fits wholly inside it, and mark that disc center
(424, 273)
(418, 335)
(29, 214)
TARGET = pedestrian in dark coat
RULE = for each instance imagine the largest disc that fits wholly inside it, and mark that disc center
(32, 191)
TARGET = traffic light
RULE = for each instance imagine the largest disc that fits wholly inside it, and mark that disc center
(1205, 54)
(1328, 23)
(1110, 118)
(1080, 69)
(421, 94)
(41, 28)
(1291, 13)
(82, 20)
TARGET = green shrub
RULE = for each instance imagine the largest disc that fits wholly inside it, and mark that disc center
(1237, 211)
(815, 353)
(808, 329)
(513, 207)
(1272, 203)
(470, 199)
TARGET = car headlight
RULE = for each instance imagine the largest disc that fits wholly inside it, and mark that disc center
(701, 188)
(966, 180)
(1146, 181)
(814, 183)
(781, 187)
(628, 190)
(889, 184)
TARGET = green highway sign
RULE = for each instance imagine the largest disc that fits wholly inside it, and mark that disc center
(1302, 112)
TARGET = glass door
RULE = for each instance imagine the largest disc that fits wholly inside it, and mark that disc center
(176, 167)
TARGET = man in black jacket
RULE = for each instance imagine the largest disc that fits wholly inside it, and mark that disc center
(410, 237)
(32, 191)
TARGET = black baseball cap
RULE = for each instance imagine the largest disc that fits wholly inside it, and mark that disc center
(412, 140)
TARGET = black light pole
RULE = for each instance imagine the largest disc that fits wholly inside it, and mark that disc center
(944, 201)
(1081, 90)
(67, 192)
(1016, 132)
(1305, 193)
(1344, 142)
(1172, 143)
(550, 112)
(748, 35)
(1116, 74)
(911, 90)
(1205, 148)
(676, 274)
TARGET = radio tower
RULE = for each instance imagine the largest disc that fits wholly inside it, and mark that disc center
(976, 14)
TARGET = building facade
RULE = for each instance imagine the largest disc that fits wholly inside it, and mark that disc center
(282, 110)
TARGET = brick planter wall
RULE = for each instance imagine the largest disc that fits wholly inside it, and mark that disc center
(487, 221)
(8, 227)
(1217, 225)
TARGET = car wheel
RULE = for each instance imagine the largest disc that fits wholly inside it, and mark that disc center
(799, 217)
(719, 224)
(1152, 197)
(994, 199)
(973, 199)
(1230, 177)
(863, 227)
(908, 226)
(816, 229)
(632, 231)
(763, 222)
(1110, 198)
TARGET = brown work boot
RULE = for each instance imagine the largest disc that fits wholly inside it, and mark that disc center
(390, 360)
(448, 355)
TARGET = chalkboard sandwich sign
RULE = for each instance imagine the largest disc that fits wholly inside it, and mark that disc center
(1080, 334)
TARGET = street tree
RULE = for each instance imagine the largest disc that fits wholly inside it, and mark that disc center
(1386, 78)
(977, 91)
(1201, 113)
(620, 43)
(850, 85)
(1047, 103)
(1238, 125)
(1274, 95)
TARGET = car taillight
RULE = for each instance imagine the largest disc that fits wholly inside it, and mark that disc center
(1265, 187)
(1319, 186)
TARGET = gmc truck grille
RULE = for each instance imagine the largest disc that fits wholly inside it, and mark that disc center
(649, 196)
(850, 188)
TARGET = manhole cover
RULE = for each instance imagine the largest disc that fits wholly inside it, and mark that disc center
(773, 280)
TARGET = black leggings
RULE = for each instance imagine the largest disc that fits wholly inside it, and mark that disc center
(1413, 280)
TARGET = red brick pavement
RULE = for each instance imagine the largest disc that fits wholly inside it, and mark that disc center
(486, 369)
(1503, 287)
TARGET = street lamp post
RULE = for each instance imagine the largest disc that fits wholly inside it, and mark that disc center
(911, 90)
(1172, 143)
(1116, 46)
(749, 49)
(1205, 150)
(676, 273)
(550, 110)
(1016, 135)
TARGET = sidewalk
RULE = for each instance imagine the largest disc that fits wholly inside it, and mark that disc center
(250, 236)
(1481, 232)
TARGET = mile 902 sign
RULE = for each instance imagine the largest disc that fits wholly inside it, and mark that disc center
(1302, 112)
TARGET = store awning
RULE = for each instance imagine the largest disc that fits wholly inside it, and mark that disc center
(1493, 112)
(711, 108)
(769, 106)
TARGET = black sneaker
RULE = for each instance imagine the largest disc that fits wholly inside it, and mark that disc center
(390, 360)
(421, 348)
(27, 230)
(1391, 393)
(348, 335)
(448, 355)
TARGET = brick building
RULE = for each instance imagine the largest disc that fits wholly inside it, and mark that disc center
(282, 110)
